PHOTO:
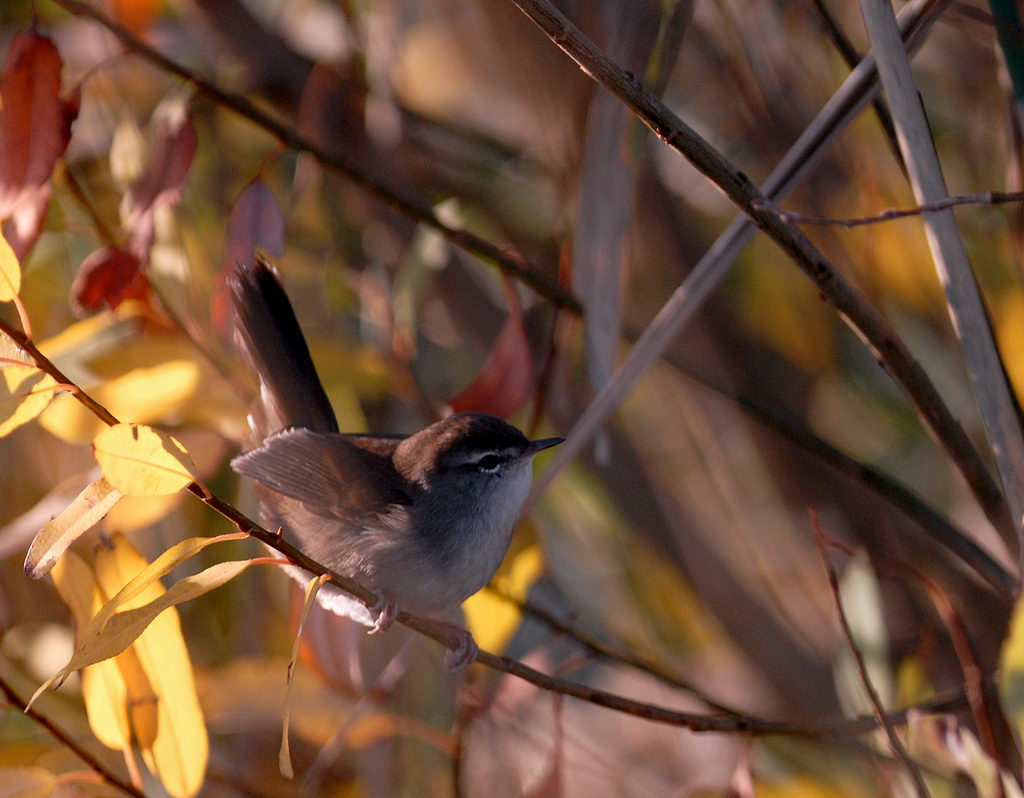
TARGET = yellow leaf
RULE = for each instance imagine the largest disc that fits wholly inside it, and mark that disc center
(142, 461)
(146, 576)
(491, 619)
(284, 757)
(141, 395)
(124, 627)
(137, 586)
(25, 391)
(1011, 668)
(10, 272)
(103, 686)
(166, 717)
(76, 519)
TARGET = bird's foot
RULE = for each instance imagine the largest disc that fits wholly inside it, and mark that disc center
(384, 611)
(464, 654)
(458, 659)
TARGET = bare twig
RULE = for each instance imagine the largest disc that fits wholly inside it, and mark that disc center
(853, 307)
(68, 741)
(898, 749)
(500, 257)
(891, 214)
(447, 637)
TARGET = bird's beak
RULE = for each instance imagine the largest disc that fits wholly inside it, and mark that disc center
(541, 445)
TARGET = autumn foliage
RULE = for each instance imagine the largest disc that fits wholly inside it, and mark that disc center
(779, 553)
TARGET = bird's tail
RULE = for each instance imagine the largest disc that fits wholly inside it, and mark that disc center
(268, 335)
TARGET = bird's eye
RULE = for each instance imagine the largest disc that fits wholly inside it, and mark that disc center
(489, 462)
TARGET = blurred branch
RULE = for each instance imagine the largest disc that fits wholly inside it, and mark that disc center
(94, 764)
(852, 58)
(446, 635)
(605, 651)
(898, 749)
(931, 522)
(963, 298)
(500, 257)
(888, 215)
(888, 348)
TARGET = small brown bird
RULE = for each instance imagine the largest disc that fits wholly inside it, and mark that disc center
(423, 521)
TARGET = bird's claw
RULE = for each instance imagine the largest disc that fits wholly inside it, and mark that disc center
(384, 611)
(458, 659)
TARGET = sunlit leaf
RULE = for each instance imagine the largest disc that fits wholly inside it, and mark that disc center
(166, 717)
(148, 574)
(284, 758)
(25, 391)
(146, 381)
(490, 618)
(103, 687)
(124, 627)
(142, 461)
(88, 508)
(10, 272)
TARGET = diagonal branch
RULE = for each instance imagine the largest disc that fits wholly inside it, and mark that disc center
(858, 313)
(963, 297)
(448, 637)
(500, 257)
(94, 764)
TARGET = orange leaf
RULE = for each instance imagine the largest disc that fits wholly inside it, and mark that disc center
(108, 276)
(35, 128)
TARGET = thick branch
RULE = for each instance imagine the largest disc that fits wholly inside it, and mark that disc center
(854, 308)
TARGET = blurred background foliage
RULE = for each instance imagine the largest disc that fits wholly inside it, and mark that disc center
(681, 537)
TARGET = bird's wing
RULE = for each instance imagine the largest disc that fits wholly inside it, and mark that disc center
(328, 474)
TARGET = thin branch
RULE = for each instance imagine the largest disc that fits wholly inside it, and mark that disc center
(68, 741)
(852, 58)
(500, 257)
(890, 214)
(979, 699)
(865, 320)
(898, 749)
(447, 637)
(963, 297)
(607, 652)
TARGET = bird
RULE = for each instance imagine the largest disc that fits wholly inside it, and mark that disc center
(421, 520)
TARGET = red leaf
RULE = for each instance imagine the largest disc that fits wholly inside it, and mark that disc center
(160, 183)
(256, 222)
(504, 381)
(107, 277)
(35, 128)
